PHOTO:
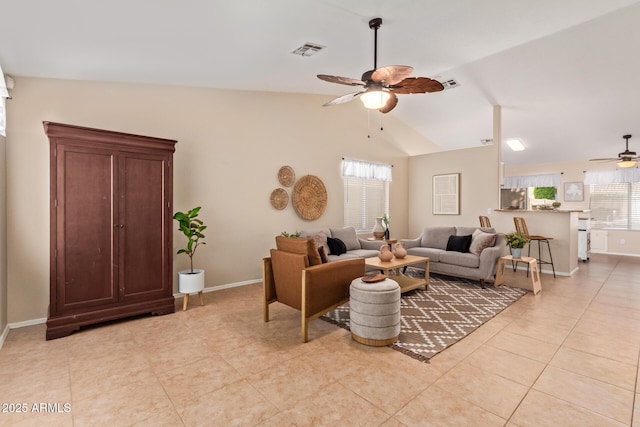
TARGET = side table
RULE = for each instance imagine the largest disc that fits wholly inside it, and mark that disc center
(536, 286)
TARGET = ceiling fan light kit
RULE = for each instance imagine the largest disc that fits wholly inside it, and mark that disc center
(626, 159)
(375, 99)
(380, 85)
(627, 163)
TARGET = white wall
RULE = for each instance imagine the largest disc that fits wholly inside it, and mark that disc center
(231, 145)
(479, 183)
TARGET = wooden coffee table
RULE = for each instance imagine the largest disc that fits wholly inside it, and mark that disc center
(396, 264)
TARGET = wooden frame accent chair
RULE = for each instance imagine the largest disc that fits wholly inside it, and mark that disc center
(294, 275)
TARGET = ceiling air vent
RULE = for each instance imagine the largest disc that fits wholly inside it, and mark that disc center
(308, 49)
(450, 84)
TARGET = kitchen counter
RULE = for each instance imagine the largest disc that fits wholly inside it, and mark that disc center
(541, 210)
(559, 224)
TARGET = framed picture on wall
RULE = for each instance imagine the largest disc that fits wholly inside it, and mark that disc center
(446, 194)
(573, 192)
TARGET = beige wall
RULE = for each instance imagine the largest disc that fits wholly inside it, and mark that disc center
(3, 238)
(230, 147)
(618, 241)
(478, 168)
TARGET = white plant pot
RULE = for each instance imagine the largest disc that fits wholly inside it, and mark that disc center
(516, 252)
(190, 283)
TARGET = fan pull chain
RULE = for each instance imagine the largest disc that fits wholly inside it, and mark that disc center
(369, 124)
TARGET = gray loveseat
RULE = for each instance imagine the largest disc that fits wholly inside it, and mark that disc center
(355, 246)
(479, 263)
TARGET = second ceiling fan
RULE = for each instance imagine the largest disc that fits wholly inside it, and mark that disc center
(380, 85)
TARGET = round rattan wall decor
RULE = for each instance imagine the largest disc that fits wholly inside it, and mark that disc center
(279, 198)
(309, 197)
(286, 176)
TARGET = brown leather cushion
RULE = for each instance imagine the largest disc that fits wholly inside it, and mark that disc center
(300, 245)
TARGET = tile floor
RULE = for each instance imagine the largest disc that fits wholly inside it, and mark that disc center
(566, 357)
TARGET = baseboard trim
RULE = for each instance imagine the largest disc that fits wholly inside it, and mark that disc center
(176, 295)
(615, 253)
(226, 286)
(4, 335)
(31, 322)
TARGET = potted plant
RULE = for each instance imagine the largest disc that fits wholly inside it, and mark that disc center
(516, 242)
(192, 280)
(385, 223)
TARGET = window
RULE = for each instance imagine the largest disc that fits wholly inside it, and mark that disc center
(615, 205)
(366, 193)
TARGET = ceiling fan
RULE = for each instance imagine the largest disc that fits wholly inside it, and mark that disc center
(380, 85)
(626, 159)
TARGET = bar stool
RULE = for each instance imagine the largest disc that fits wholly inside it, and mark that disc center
(521, 227)
(484, 221)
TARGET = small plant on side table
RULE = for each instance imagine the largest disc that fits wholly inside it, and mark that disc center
(516, 240)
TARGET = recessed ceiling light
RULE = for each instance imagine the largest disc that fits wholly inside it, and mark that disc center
(515, 144)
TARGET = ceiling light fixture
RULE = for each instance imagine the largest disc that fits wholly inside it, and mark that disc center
(375, 99)
(515, 144)
(627, 163)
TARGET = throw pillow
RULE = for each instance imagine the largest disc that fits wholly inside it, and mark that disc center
(321, 241)
(299, 245)
(336, 246)
(323, 254)
(348, 236)
(459, 243)
(481, 241)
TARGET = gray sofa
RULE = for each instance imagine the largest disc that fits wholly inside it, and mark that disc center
(478, 264)
(356, 247)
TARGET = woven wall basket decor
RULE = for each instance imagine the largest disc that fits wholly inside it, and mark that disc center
(279, 198)
(286, 176)
(309, 197)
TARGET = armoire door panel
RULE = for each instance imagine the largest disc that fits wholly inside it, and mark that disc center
(143, 214)
(85, 228)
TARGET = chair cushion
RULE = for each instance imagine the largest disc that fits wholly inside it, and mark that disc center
(348, 236)
(459, 243)
(460, 259)
(300, 245)
(463, 231)
(432, 253)
(481, 241)
(436, 237)
(336, 246)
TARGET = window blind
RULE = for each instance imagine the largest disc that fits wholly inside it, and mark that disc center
(366, 193)
(615, 205)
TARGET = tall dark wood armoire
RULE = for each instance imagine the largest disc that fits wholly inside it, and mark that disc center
(111, 226)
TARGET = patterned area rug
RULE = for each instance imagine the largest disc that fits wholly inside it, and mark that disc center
(433, 320)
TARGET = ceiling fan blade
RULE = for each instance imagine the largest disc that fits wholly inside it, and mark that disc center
(344, 98)
(391, 103)
(391, 74)
(341, 80)
(608, 159)
(417, 85)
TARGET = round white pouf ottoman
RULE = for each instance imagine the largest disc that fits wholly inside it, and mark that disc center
(374, 312)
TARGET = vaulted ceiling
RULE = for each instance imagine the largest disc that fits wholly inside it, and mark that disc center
(566, 72)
